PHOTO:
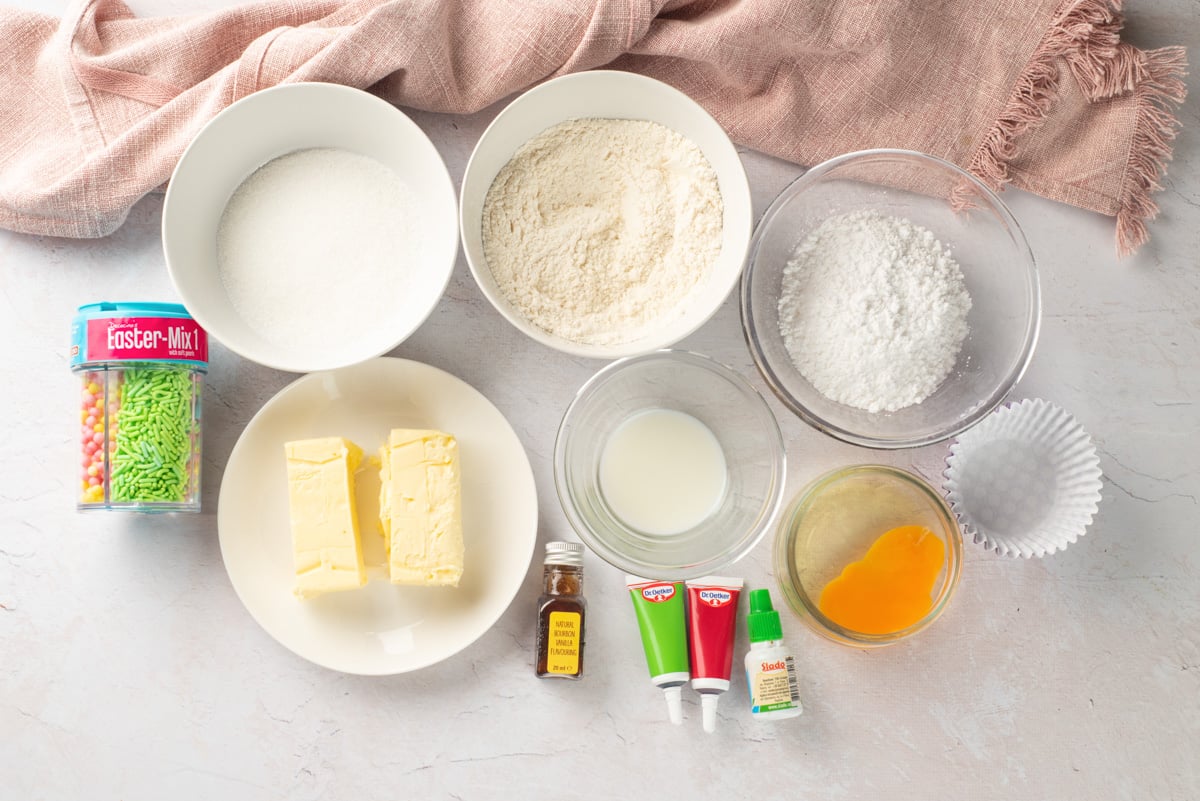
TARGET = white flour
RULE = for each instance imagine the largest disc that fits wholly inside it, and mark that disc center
(313, 245)
(597, 230)
(873, 311)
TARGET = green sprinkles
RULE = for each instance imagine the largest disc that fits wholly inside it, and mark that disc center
(154, 436)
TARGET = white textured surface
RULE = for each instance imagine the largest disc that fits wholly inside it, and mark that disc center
(128, 669)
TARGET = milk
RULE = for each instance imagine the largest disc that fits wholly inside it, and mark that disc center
(662, 472)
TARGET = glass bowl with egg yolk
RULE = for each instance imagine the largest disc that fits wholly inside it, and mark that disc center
(868, 555)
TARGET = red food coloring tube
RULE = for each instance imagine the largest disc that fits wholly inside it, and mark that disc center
(712, 621)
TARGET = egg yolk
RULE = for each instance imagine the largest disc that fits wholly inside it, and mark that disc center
(891, 587)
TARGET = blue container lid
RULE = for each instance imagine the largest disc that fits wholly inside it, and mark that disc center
(106, 309)
(137, 332)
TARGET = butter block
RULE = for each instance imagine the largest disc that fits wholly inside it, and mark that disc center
(420, 507)
(326, 546)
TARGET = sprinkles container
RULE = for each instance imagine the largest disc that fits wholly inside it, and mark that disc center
(141, 369)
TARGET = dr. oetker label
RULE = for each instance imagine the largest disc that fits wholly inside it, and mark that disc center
(714, 597)
(658, 593)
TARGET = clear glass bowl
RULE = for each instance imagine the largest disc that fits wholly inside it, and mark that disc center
(835, 519)
(997, 266)
(720, 399)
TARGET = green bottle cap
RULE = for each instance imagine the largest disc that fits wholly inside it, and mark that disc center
(763, 621)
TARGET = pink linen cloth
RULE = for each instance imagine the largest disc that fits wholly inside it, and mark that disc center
(98, 106)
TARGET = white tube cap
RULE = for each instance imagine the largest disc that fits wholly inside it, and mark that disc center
(708, 705)
(674, 696)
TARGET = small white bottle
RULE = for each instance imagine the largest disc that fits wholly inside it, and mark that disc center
(770, 668)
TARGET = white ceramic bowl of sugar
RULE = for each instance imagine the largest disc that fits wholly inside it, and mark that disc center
(300, 312)
(608, 94)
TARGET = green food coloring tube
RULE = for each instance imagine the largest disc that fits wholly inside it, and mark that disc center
(660, 614)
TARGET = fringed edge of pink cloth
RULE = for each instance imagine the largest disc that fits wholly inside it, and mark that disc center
(1086, 34)
(1155, 130)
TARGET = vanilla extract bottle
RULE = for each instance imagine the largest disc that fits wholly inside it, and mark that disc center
(561, 613)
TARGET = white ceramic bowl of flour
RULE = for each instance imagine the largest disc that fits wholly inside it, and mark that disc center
(610, 95)
(310, 226)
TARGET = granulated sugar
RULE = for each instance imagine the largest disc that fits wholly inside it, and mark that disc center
(598, 230)
(873, 311)
(315, 244)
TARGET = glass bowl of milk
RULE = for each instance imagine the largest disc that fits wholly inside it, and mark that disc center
(669, 465)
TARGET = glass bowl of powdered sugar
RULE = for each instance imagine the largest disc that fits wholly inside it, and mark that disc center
(890, 299)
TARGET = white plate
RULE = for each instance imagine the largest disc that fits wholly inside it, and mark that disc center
(381, 628)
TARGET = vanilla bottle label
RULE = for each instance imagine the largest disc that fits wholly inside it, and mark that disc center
(562, 653)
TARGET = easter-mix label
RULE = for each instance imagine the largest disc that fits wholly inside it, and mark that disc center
(132, 338)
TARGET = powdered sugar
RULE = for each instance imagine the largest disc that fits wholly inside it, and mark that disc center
(598, 230)
(873, 311)
(315, 243)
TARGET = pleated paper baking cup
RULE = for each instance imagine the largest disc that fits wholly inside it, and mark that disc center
(1025, 481)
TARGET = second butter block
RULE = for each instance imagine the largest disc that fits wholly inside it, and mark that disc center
(420, 507)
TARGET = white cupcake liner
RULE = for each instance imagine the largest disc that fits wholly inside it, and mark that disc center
(1025, 481)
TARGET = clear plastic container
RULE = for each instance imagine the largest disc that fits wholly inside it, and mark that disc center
(141, 371)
